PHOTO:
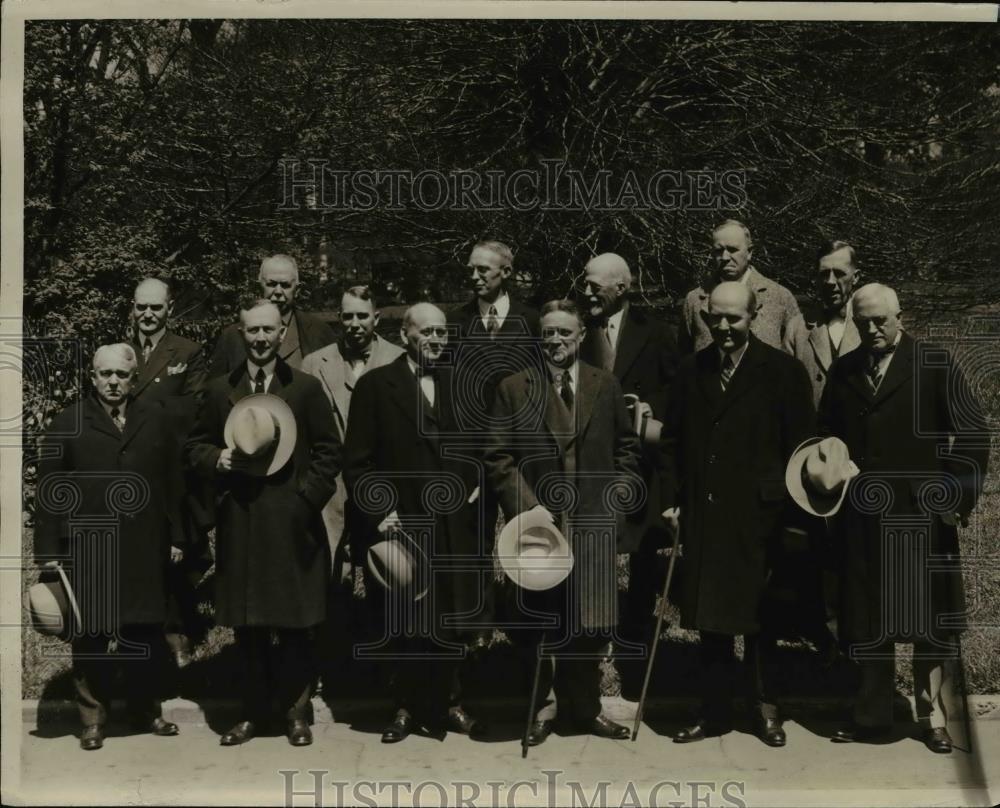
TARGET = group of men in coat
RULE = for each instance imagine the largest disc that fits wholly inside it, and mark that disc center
(502, 408)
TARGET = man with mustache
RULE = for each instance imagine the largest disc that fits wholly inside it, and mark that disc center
(272, 561)
(777, 312)
(411, 480)
(562, 442)
(304, 332)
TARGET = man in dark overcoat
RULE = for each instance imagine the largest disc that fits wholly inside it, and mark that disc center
(272, 557)
(562, 441)
(914, 427)
(172, 371)
(642, 353)
(407, 469)
(739, 411)
(109, 484)
(304, 332)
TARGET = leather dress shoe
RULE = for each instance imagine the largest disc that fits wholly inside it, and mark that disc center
(401, 726)
(460, 721)
(938, 740)
(92, 738)
(299, 733)
(604, 727)
(160, 726)
(699, 731)
(770, 731)
(538, 732)
(240, 733)
(857, 733)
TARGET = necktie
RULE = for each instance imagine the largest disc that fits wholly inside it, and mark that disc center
(875, 372)
(147, 349)
(728, 368)
(492, 324)
(601, 352)
(565, 385)
(258, 381)
(116, 416)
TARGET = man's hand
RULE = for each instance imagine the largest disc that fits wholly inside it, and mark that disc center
(645, 411)
(672, 516)
(232, 460)
(544, 510)
(176, 555)
(48, 565)
(955, 519)
(390, 523)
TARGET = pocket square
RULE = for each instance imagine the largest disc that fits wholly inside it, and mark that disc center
(173, 370)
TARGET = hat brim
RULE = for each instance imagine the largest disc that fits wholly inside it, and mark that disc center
(536, 573)
(52, 606)
(287, 429)
(809, 500)
(399, 564)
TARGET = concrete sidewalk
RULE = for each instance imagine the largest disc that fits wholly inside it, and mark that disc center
(735, 770)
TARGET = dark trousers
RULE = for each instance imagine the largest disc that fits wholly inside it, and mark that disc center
(569, 683)
(646, 570)
(139, 653)
(717, 661)
(423, 678)
(277, 671)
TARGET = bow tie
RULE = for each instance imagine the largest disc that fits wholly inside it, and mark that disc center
(357, 356)
(426, 370)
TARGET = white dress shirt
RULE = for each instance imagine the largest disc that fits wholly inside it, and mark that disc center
(425, 381)
(501, 304)
(268, 373)
(736, 355)
(573, 371)
(615, 328)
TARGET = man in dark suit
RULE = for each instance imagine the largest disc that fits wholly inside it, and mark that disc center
(107, 508)
(642, 353)
(407, 469)
(739, 411)
(272, 556)
(914, 427)
(562, 441)
(304, 332)
(172, 371)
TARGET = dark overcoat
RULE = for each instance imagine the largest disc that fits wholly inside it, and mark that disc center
(403, 455)
(899, 562)
(728, 452)
(645, 364)
(107, 505)
(583, 468)
(230, 351)
(271, 552)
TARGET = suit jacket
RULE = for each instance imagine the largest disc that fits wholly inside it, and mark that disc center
(107, 503)
(892, 540)
(230, 351)
(175, 373)
(645, 365)
(727, 452)
(328, 365)
(777, 312)
(810, 344)
(583, 467)
(271, 551)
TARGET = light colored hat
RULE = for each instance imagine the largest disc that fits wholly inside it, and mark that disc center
(400, 565)
(52, 604)
(818, 474)
(533, 552)
(647, 428)
(262, 426)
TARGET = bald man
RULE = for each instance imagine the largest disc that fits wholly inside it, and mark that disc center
(740, 409)
(171, 369)
(119, 455)
(915, 428)
(777, 317)
(303, 332)
(641, 351)
(408, 470)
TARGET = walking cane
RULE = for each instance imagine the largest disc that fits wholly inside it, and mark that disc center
(659, 627)
(534, 698)
(967, 716)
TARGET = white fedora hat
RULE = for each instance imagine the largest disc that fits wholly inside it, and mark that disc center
(52, 606)
(400, 565)
(262, 426)
(645, 426)
(818, 474)
(533, 552)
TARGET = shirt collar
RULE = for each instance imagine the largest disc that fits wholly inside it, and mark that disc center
(154, 338)
(502, 304)
(121, 407)
(268, 369)
(573, 370)
(737, 355)
(415, 369)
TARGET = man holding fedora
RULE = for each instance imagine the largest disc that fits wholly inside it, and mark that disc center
(304, 332)
(563, 444)
(641, 351)
(109, 486)
(267, 441)
(741, 408)
(914, 427)
(414, 486)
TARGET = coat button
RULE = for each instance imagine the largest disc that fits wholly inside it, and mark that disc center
(156, 379)
(712, 458)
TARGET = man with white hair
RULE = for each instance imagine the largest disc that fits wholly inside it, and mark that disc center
(641, 351)
(777, 313)
(114, 453)
(303, 332)
(914, 427)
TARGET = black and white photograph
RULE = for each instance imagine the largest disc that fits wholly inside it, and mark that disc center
(500, 403)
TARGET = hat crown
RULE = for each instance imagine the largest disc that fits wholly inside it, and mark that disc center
(254, 430)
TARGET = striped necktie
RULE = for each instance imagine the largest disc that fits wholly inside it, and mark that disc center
(728, 368)
(147, 349)
(492, 323)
